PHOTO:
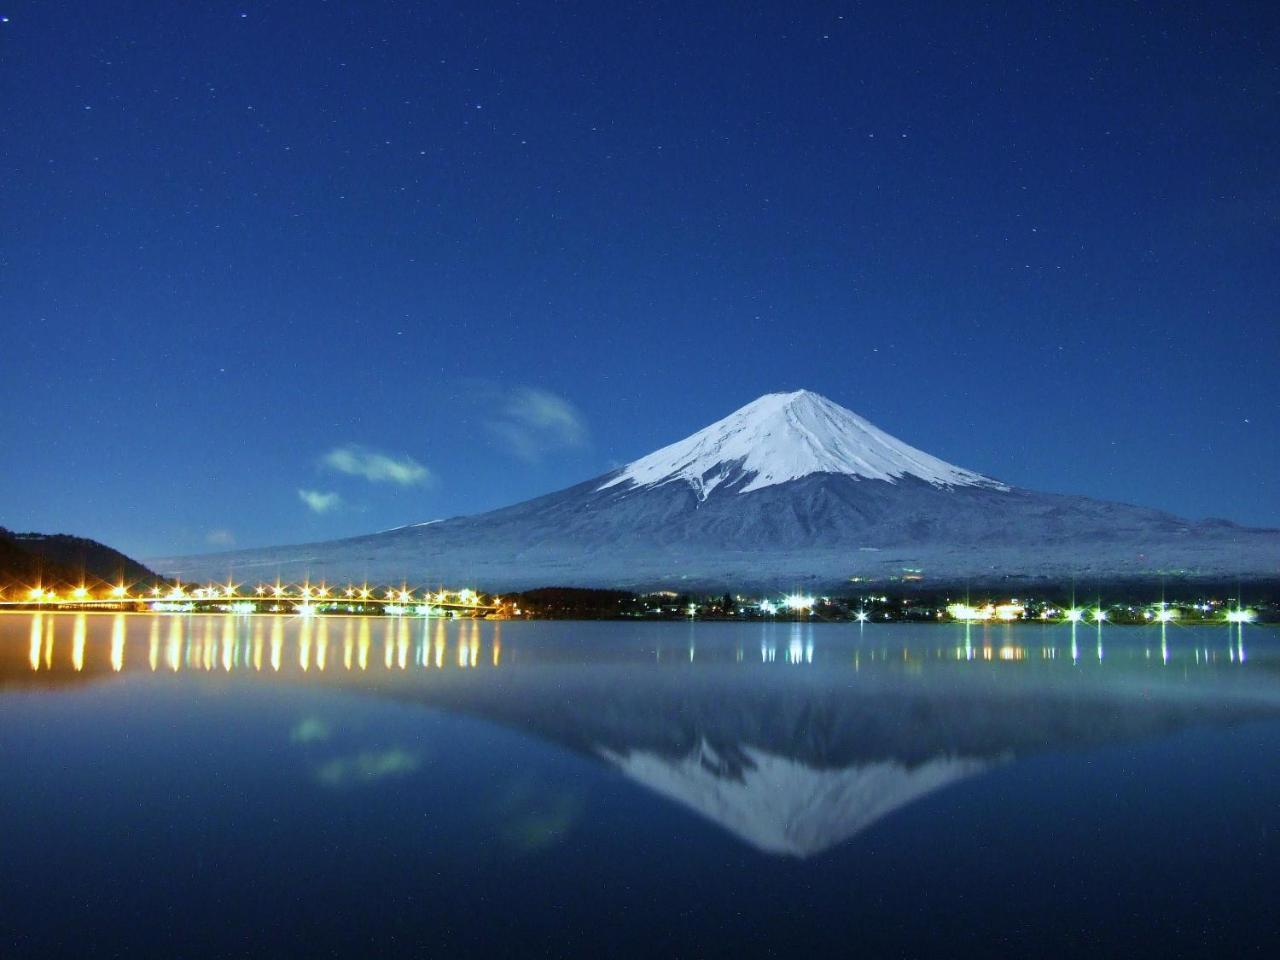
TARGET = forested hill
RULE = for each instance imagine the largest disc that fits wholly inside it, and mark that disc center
(62, 558)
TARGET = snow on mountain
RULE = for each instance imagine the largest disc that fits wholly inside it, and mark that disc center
(786, 436)
(410, 526)
(781, 806)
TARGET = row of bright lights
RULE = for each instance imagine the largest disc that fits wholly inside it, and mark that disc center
(793, 602)
(1008, 612)
(279, 591)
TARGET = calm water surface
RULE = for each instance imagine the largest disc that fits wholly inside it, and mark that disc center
(208, 786)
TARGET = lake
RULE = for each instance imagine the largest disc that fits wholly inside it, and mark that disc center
(220, 786)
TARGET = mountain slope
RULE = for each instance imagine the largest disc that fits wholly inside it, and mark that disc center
(791, 489)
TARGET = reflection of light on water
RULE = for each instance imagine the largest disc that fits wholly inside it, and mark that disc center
(37, 621)
(322, 643)
(422, 645)
(77, 641)
(209, 644)
(277, 642)
(304, 642)
(800, 644)
(153, 645)
(117, 642)
(101, 642)
(258, 643)
(228, 642)
(1075, 647)
(173, 646)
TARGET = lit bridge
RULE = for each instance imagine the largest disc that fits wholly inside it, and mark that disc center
(299, 599)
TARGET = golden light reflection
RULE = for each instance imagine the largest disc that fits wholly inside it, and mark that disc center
(322, 644)
(208, 645)
(348, 642)
(439, 644)
(228, 642)
(402, 643)
(173, 646)
(277, 642)
(363, 644)
(37, 624)
(78, 634)
(117, 642)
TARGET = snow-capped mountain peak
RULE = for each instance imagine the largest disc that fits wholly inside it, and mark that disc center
(785, 436)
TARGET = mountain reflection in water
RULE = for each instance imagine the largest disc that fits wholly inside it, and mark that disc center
(792, 737)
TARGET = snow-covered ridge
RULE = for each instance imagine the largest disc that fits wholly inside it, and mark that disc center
(410, 526)
(786, 436)
(781, 806)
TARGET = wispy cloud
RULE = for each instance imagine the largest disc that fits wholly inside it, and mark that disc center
(357, 461)
(533, 422)
(367, 767)
(220, 538)
(320, 501)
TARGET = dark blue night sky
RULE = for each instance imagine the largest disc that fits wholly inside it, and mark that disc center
(284, 271)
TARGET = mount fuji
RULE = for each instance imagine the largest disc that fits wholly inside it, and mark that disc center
(790, 490)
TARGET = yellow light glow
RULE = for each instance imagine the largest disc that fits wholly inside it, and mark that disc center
(963, 611)
(797, 601)
(117, 642)
(79, 633)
